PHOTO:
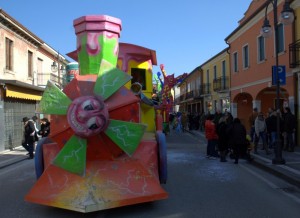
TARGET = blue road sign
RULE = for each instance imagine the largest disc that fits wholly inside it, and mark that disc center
(281, 75)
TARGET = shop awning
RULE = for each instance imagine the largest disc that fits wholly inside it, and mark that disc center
(23, 93)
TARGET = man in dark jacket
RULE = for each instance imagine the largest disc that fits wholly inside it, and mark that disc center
(237, 133)
(29, 136)
(289, 127)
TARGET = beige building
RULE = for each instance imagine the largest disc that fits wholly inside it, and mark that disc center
(25, 68)
(190, 93)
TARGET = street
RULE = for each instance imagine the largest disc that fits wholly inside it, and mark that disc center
(197, 187)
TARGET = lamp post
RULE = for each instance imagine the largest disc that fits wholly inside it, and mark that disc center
(58, 67)
(287, 17)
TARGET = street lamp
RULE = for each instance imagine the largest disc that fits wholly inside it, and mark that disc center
(287, 17)
(58, 67)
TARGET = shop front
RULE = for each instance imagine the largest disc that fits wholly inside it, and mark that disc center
(18, 99)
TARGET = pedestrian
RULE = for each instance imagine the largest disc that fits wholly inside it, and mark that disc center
(260, 127)
(34, 119)
(251, 121)
(289, 126)
(268, 133)
(271, 123)
(212, 138)
(28, 136)
(45, 128)
(178, 121)
(217, 116)
(222, 138)
(238, 133)
(184, 120)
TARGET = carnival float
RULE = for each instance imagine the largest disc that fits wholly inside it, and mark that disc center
(106, 148)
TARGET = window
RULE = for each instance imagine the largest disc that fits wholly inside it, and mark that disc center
(207, 76)
(223, 68)
(139, 75)
(235, 62)
(261, 49)
(9, 54)
(189, 87)
(223, 74)
(280, 38)
(30, 56)
(215, 72)
(246, 56)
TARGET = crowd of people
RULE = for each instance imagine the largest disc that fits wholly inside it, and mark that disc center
(31, 133)
(227, 136)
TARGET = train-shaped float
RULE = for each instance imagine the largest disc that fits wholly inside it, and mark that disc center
(106, 148)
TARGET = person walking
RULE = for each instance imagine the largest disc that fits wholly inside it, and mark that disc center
(222, 138)
(238, 133)
(260, 133)
(289, 126)
(184, 121)
(212, 138)
(28, 136)
(251, 121)
(271, 123)
(45, 127)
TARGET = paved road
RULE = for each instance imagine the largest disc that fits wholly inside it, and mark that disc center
(197, 187)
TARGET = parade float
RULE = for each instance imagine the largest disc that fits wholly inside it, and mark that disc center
(106, 148)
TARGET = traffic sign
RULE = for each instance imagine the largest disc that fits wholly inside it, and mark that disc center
(281, 75)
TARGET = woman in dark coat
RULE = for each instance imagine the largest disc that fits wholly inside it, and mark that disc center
(45, 127)
(237, 134)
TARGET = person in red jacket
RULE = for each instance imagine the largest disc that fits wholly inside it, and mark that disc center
(212, 138)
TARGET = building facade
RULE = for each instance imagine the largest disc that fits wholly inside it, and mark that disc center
(252, 60)
(216, 81)
(25, 68)
(190, 99)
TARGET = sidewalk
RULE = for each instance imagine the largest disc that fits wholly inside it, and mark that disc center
(9, 157)
(290, 171)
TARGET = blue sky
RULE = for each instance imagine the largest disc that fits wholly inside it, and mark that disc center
(184, 34)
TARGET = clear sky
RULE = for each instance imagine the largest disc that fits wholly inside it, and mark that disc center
(184, 34)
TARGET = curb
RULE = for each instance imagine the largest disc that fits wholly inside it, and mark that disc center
(282, 171)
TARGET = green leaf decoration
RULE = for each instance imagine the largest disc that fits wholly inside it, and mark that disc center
(54, 101)
(72, 157)
(126, 135)
(110, 79)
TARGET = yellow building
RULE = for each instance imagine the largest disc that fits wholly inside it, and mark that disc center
(216, 83)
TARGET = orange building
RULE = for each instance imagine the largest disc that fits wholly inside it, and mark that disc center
(252, 58)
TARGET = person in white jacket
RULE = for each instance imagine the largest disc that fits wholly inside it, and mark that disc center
(260, 133)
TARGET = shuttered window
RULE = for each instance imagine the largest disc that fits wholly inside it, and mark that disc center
(9, 54)
(30, 56)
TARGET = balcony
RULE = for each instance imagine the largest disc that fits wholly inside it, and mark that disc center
(182, 97)
(42, 79)
(205, 89)
(189, 95)
(294, 49)
(221, 84)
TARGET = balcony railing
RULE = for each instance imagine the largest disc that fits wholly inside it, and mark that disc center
(205, 89)
(189, 95)
(42, 79)
(182, 97)
(221, 84)
(294, 50)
